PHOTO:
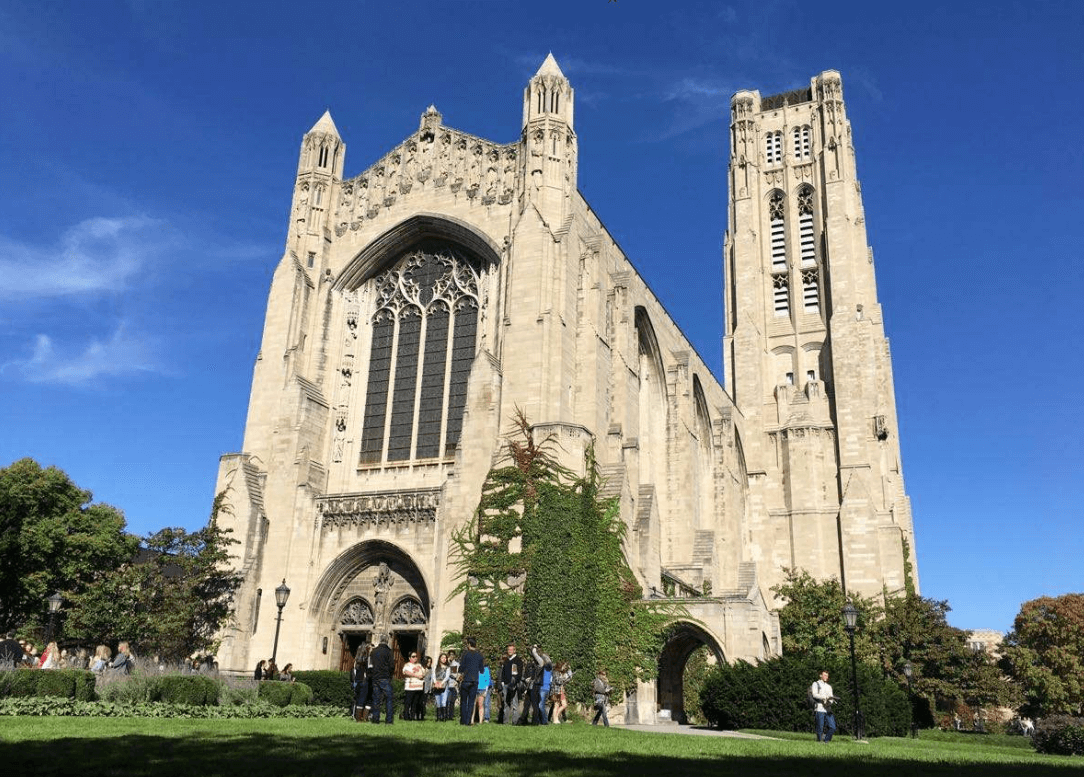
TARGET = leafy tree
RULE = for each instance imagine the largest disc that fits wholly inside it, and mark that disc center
(946, 670)
(171, 600)
(1044, 654)
(905, 628)
(52, 538)
(811, 622)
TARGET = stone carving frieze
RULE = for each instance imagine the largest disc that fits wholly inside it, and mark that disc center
(387, 508)
(435, 157)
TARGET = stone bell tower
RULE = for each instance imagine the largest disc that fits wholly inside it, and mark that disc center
(549, 179)
(808, 362)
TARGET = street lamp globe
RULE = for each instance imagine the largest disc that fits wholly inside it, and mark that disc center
(908, 670)
(55, 601)
(282, 593)
(850, 617)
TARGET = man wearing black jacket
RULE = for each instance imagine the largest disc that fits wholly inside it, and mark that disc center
(511, 673)
(469, 666)
(383, 667)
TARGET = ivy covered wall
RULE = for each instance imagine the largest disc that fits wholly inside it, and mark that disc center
(542, 562)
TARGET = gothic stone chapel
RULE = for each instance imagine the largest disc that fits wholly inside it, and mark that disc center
(420, 302)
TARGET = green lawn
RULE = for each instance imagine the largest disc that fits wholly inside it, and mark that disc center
(131, 747)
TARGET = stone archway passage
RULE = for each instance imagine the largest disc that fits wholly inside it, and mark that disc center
(684, 639)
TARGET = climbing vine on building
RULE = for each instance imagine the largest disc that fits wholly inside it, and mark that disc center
(542, 562)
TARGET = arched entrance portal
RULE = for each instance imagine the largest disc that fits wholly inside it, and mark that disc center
(372, 588)
(684, 639)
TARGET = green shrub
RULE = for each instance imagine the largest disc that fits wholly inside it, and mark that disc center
(772, 695)
(193, 690)
(56, 682)
(18, 683)
(85, 686)
(301, 694)
(51, 705)
(67, 683)
(328, 687)
(283, 694)
(1060, 735)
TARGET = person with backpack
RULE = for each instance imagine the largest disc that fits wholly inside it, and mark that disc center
(602, 690)
(821, 698)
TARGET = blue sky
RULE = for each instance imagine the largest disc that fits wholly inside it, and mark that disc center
(147, 153)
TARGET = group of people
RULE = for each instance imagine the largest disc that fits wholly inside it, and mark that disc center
(528, 692)
(22, 653)
(267, 670)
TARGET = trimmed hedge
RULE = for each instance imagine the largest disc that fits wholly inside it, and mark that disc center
(772, 695)
(193, 690)
(51, 706)
(328, 686)
(1060, 735)
(65, 683)
(285, 694)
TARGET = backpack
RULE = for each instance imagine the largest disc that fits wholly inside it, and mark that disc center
(810, 700)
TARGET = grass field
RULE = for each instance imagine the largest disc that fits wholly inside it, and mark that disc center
(133, 747)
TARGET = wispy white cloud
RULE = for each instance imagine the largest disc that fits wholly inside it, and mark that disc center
(98, 255)
(121, 354)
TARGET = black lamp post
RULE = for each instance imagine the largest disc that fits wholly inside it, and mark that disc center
(55, 601)
(282, 593)
(908, 672)
(850, 622)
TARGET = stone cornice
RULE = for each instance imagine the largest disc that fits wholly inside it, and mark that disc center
(378, 508)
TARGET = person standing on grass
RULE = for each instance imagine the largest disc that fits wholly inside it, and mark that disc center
(541, 688)
(823, 699)
(511, 672)
(485, 685)
(470, 666)
(359, 678)
(383, 666)
(259, 670)
(562, 673)
(601, 688)
(413, 685)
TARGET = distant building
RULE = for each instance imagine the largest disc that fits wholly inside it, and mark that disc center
(420, 302)
(986, 640)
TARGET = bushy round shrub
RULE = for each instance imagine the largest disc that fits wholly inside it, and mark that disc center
(285, 694)
(65, 683)
(772, 695)
(328, 686)
(1060, 735)
(55, 682)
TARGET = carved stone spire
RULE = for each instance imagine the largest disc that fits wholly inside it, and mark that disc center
(549, 177)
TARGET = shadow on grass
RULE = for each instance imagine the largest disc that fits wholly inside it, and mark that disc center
(393, 756)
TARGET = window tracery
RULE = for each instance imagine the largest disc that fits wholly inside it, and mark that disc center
(425, 321)
(357, 612)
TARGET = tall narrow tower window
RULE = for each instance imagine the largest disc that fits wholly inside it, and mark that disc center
(805, 227)
(811, 296)
(773, 148)
(323, 156)
(801, 142)
(778, 228)
(424, 334)
(781, 294)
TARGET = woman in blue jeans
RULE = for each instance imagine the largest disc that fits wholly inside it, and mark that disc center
(441, 683)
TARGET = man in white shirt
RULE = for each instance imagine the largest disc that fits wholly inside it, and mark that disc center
(822, 695)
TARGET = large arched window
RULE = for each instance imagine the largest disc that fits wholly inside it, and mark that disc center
(424, 327)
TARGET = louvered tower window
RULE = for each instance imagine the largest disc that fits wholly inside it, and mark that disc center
(778, 241)
(773, 147)
(424, 333)
(811, 297)
(806, 239)
(801, 143)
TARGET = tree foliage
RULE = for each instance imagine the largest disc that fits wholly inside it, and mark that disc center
(542, 561)
(904, 628)
(811, 622)
(1044, 654)
(52, 538)
(171, 601)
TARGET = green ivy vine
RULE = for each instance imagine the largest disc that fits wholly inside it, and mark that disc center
(542, 562)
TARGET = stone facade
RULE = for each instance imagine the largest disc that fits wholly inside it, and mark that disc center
(418, 304)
